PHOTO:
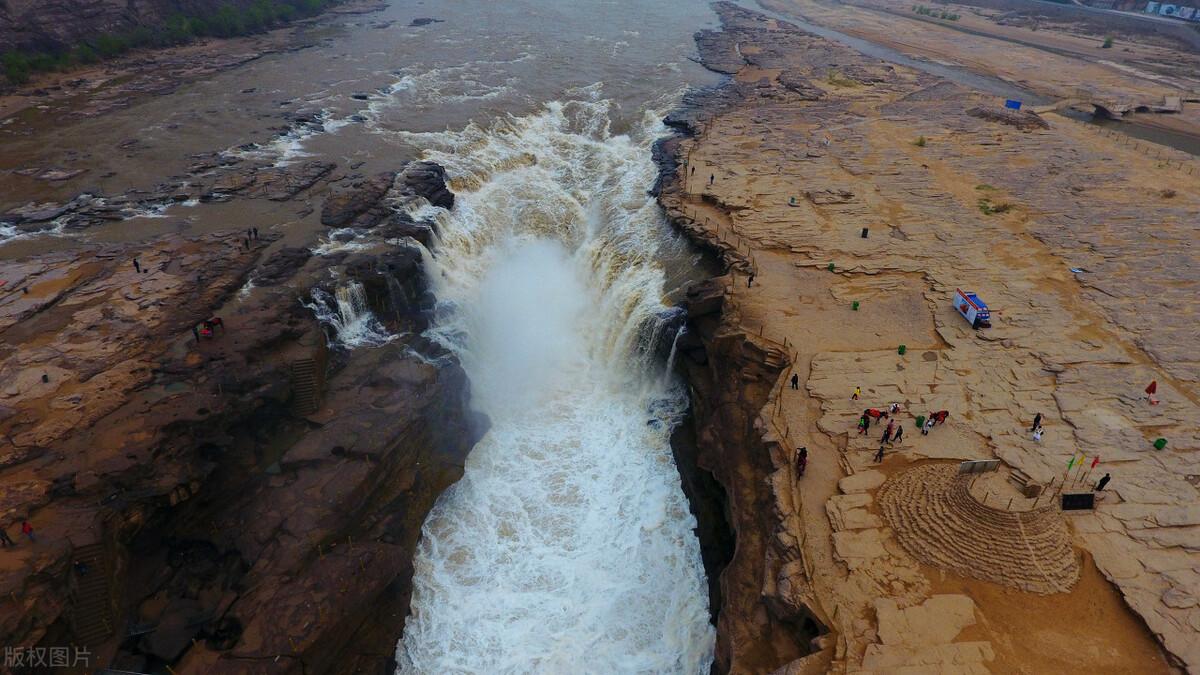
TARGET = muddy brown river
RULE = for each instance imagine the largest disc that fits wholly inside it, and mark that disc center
(481, 62)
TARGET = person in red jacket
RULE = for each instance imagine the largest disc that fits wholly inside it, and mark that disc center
(27, 530)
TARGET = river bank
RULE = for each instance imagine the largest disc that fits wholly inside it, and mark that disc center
(856, 201)
(1058, 60)
(93, 89)
(250, 497)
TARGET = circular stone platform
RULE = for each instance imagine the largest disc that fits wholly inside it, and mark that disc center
(939, 522)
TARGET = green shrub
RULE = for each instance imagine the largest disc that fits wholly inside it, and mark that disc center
(16, 67)
(84, 54)
(1108, 43)
(920, 142)
(988, 207)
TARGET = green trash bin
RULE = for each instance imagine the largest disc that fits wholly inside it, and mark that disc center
(854, 306)
(1160, 443)
(920, 421)
(902, 350)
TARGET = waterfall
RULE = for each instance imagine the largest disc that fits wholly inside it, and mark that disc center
(568, 545)
(674, 349)
(348, 313)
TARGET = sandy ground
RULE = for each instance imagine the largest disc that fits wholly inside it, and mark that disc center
(1049, 61)
(1076, 346)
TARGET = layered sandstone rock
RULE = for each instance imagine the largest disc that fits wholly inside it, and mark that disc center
(1065, 262)
(232, 532)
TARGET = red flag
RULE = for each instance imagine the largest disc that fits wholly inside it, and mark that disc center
(1095, 461)
(1153, 387)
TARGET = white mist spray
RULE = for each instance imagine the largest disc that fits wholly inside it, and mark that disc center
(568, 545)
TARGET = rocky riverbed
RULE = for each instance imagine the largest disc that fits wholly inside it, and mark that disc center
(848, 198)
(257, 494)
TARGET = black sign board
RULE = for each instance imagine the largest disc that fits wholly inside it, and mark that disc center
(1078, 501)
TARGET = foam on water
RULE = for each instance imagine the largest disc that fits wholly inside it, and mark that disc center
(10, 232)
(289, 146)
(568, 545)
(422, 87)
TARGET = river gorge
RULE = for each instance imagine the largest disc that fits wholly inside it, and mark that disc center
(416, 337)
(550, 274)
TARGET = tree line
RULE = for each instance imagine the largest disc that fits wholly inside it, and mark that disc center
(228, 20)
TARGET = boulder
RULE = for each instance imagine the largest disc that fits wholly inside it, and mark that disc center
(428, 180)
(281, 266)
(350, 205)
(401, 225)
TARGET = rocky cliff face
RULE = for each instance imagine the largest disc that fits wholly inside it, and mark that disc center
(247, 502)
(732, 460)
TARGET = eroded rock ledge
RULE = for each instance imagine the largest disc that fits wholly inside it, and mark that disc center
(732, 460)
(246, 503)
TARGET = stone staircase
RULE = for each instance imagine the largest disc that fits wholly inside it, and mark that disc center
(1028, 486)
(91, 602)
(306, 395)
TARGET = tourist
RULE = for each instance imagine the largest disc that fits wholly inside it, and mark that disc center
(1037, 434)
(712, 178)
(750, 281)
(27, 530)
(1037, 422)
(894, 408)
(6, 540)
(216, 322)
(693, 171)
(796, 381)
(879, 454)
(81, 568)
(862, 425)
(137, 267)
(801, 460)
(255, 232)
(887, 432)
(195, 332)
(856, 394)
(941, 416)
(899, 434)
(1103, 481)
(928, 425)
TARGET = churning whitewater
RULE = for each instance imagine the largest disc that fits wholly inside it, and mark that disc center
(568, 545)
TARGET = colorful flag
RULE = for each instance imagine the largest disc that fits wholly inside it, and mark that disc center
(1071, 463)
(1153, 387)
(1095, 461)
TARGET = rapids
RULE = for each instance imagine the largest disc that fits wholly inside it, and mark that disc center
(568, 545)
